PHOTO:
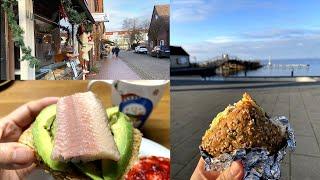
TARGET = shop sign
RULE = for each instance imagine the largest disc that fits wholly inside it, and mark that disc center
(100, 17)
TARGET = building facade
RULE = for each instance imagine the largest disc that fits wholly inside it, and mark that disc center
(97, 7)
(179, 57)
(122, 38)
(41, 23)
(159, 30)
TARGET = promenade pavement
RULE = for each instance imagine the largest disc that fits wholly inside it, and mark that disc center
(194, 109)
(113, 68)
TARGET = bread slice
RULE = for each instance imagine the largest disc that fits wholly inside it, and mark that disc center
(27, 139)
(243, 125)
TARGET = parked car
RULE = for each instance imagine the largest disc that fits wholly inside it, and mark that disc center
(141, 50)
(161, 52)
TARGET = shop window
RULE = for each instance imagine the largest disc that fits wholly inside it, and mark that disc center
(182, 60)
(47, 41)
(151, 44)
(161, 42)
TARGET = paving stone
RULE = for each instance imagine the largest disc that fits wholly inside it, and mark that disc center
(303, 128)
(316, 127)
(175, 169)
(147, 67)
(298, 103)
(185, 151)
(315, 116)
(188, 170)
(114, 69)
(307, 146)
(287, 157)
(285, 170)
(305, 167)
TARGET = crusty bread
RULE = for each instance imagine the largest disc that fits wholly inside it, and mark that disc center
(27, 139)
(243, 125)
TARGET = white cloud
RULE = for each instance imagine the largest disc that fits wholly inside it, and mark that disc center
(223, 39)
(189, 10)
(302, 47)
(198, 10)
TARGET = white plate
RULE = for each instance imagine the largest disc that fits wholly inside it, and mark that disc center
(148, 148)
(151, 148)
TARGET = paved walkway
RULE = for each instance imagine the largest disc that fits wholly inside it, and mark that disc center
(114, 69)
(193, 111)
(147, 67)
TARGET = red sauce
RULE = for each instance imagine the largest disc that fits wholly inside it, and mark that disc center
(150, 168)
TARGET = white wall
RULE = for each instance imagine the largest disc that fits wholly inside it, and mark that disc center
(26, 22)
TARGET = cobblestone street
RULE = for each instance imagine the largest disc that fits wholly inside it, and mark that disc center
(194, 109)
(147, 67)
(132, 66)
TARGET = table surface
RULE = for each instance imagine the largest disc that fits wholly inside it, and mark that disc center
(157, 127)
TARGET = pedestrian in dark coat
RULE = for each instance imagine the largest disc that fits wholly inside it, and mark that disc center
(117, 51)
(113, 51)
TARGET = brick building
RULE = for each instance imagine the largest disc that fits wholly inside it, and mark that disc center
(96, 8)
(159, 30)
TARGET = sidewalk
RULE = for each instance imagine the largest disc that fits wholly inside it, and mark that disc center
(114, 69)
(299, 103)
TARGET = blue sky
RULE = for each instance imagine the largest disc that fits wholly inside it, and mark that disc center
(247, 28)
(118, 10)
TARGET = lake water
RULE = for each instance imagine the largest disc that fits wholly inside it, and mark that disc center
(312, 70)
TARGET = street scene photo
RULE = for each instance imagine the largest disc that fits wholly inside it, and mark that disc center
(86, 39)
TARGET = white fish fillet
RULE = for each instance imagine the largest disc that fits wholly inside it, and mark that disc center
(82, 130)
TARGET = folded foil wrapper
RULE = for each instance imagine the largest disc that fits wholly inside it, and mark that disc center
(257, 162)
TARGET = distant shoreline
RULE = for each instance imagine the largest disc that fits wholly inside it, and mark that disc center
(249, 79)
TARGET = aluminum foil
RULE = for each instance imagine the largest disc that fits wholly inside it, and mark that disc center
(257, 162)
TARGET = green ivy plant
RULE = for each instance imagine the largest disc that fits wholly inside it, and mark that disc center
(74, 16)
(17, 33)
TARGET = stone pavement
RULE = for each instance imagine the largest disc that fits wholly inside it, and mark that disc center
(193, 111)
(114, 69)
(147, 67)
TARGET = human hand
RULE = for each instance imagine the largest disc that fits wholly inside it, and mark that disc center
(234, 172)
(17, 160)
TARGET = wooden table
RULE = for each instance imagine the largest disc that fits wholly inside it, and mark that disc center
(157, 127)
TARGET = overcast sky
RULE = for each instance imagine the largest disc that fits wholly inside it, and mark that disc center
(118, 10)
(281, 29)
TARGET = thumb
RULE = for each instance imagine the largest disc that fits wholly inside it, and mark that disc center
(15, 156)
(234, 172)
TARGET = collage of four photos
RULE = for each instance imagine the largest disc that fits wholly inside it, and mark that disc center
(159, 90)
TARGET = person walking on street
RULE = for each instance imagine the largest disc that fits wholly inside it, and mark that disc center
(117, 51)
(113, 51)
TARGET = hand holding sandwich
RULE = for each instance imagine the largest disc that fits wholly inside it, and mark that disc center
(13, 155)
(234, 172)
